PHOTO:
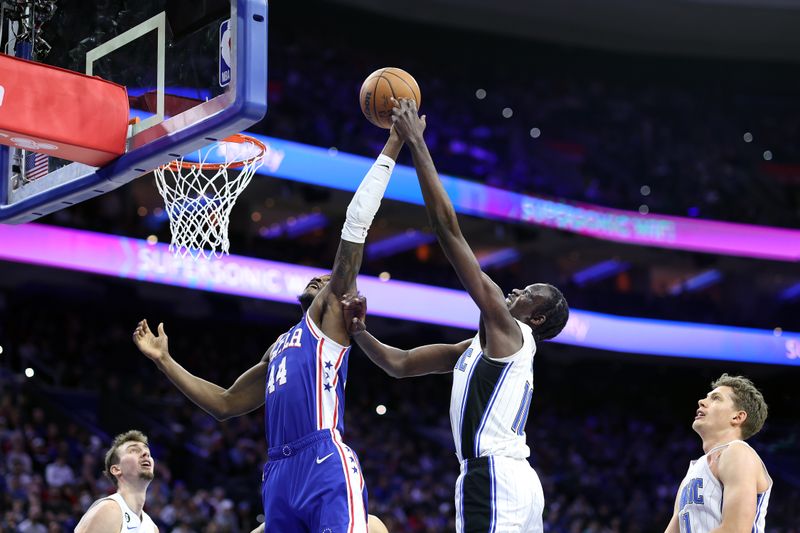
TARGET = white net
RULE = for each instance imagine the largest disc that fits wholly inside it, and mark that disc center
(199, 195)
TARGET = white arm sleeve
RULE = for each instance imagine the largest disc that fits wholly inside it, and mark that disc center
(367, 200)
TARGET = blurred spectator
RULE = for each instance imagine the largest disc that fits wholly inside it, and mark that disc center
(59, 473)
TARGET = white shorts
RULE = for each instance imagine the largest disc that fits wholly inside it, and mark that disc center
(498, 495)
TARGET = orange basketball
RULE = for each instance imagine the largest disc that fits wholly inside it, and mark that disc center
(378, 89)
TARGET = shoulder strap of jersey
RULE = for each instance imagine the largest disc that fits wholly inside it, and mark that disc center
(98, 501)
(764, 466)
(316, 331)
(720, 446)
(528, 344)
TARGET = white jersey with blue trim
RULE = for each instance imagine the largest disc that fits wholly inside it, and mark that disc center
(701, 496)
(490, 400)
(306, 379)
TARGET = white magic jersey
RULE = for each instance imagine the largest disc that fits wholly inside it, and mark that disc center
(490, 400)
(130, 520)
(700, 498)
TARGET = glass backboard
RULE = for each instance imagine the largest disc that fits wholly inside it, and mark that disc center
(194, 72)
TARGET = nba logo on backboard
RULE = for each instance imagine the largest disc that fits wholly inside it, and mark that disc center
(225, 53)
(2, 94)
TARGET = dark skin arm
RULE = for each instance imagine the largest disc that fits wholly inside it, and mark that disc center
(326, 311)
(500, 334)
(245, 395)
(430, 359)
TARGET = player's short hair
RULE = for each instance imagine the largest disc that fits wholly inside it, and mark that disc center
(556, 314)
(112, 455)
(747, 398)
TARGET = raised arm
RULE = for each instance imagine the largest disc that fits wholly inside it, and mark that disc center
(430, 359)
(245, 395)
(739, 470)
(326, 310)
(503, 335)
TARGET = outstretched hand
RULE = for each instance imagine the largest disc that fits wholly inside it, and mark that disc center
(406, 121)
(354, 307)
(152, 346)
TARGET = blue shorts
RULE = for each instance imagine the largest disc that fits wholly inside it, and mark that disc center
(314, 485)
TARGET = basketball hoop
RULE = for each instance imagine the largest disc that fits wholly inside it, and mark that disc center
(198, 205)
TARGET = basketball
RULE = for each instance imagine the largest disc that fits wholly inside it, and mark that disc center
(378, 89)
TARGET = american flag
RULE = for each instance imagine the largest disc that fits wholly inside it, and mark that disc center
(36, 165)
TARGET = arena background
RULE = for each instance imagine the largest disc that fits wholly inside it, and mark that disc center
(621, 97)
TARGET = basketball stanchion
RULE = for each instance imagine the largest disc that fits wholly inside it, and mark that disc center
(199, 195)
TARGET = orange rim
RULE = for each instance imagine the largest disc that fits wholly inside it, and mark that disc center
(235, 138)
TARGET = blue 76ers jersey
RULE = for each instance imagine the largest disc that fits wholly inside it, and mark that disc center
(305, 384)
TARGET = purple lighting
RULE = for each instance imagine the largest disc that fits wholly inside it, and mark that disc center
(256, 278)
(697, 283)
(309, 164)
(294, 226)
(408, 240)
(499, 258)
(599, 271)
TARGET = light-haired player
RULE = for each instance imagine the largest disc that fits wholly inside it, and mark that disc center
(497, 489)
(728, 488)
(130, 467)
(312, 481)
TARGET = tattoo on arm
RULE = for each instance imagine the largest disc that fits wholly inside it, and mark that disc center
(346, 267)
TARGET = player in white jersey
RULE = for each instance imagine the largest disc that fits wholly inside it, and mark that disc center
(492, 373)
(130, 467)
(728, 488)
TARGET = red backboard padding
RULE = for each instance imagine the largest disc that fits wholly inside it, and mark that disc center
(61, 113)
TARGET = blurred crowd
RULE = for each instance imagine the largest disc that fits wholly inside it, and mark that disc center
(708, 139)
(610, 458)
(685, 137)
(690, 137)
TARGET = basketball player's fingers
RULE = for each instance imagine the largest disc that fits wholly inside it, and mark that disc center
(399, 106)
(161, 330)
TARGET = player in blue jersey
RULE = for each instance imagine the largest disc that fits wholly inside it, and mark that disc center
(497, 489)
(312, 481)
